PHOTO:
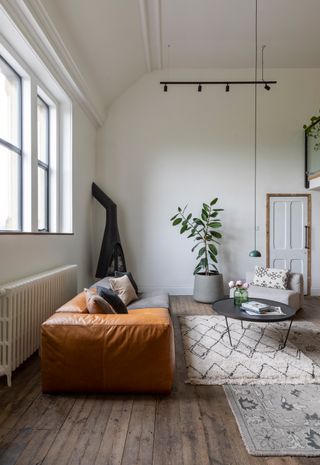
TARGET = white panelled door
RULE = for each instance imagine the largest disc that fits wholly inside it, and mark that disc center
(288, 234)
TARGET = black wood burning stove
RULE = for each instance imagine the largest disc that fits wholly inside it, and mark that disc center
(111, 257)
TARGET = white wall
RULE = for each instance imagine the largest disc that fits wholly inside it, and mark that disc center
(23, 255)
(159, 150)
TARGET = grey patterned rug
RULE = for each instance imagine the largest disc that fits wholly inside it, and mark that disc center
(255, 357)
(277, 420)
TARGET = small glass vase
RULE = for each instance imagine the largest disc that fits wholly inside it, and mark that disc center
(240, 296)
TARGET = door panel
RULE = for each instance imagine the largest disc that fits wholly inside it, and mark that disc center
(279, 264)
(296, 230)
(296, 266)
(288, 218)
(279, 225)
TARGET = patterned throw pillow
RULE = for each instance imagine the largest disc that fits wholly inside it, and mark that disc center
(271, 277)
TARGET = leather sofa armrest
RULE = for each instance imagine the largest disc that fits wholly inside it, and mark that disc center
(76, 305)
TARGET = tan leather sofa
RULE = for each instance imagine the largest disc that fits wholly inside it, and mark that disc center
(82, 352)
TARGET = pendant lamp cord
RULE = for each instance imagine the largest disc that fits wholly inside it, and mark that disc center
(255, 126)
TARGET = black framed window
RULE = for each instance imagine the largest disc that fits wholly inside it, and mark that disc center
(43, 125)
(10, 148)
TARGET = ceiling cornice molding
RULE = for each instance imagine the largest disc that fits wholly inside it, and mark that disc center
(158, 13)
(35, 24)
(151, 29)
(145, 33)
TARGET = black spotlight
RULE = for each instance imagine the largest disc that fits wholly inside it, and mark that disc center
(227, 88)
(266, 86)
(165, 88)
(199, 88)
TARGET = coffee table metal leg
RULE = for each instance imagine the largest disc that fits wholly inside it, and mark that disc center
(228, 330)
(241, 324)
(282, 346)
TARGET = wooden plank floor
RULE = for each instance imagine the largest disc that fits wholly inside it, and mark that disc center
(192, 426)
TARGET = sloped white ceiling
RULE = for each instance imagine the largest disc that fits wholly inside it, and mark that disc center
(220, 33)
(116, 41)
(105, 37)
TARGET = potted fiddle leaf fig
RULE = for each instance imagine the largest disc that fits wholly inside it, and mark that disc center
(204, 231)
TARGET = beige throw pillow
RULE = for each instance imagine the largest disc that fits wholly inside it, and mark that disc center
(123, 287)
(96, 303)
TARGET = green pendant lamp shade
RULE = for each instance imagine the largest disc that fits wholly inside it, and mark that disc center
(255, 253)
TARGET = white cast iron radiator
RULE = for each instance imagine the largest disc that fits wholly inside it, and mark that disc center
(24, 305)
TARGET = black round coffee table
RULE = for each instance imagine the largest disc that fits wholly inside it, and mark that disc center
(228, 309)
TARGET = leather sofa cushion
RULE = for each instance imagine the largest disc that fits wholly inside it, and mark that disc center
(108, 353)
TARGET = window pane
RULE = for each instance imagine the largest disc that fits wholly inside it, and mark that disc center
(42, 199)
(9, 189)
(43, 119)
(10, 87)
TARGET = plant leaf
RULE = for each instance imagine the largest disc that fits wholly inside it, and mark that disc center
(214, 214)
(213, 249)
(215, 224)
(213, 258)
(204, 215)
(216, 234)
(197, 268)
(214, 201)
(174, 217)
(199, 222)
(177, 221)
(194, 248)
(201, 252)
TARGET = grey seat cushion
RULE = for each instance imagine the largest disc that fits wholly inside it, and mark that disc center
(154, 299)
(151, 300)
(105, 282)
(289, 297)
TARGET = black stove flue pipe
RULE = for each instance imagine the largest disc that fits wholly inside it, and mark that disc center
(111, 257)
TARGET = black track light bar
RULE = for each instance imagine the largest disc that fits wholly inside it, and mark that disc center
(197, 83)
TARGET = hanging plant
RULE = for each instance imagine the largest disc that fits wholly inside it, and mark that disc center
(313, 130)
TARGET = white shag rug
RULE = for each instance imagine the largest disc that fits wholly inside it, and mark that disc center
(255, 357)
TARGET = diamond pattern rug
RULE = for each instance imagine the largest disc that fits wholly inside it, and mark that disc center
(277, 420)
(255, 357)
